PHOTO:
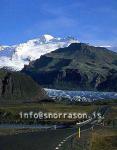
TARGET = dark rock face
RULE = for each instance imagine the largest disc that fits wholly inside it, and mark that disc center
(110, 83)
(79, 67)
(15, 86)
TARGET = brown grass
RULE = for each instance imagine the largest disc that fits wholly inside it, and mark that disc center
(104, 139)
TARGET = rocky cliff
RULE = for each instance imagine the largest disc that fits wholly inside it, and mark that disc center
(18, 87)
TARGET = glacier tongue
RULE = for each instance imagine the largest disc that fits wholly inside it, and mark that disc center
(17, 56)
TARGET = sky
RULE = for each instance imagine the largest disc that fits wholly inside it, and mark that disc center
(91, 21)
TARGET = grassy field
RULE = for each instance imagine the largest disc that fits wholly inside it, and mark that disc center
(47, 107)
(10, 113)
(98, 139)
(101, 138)
(104, 139)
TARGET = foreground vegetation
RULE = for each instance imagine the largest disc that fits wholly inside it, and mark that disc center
(10, 113)
(104, 139)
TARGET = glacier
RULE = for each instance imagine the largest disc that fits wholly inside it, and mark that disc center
(80, 96)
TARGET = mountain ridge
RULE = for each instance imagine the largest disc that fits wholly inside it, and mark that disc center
(78, 66)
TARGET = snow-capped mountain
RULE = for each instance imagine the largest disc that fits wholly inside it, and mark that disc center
(16, 56)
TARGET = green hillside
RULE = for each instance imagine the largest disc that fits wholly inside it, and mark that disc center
(78, 66)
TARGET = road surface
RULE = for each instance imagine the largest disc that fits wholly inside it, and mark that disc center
(42, 140)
